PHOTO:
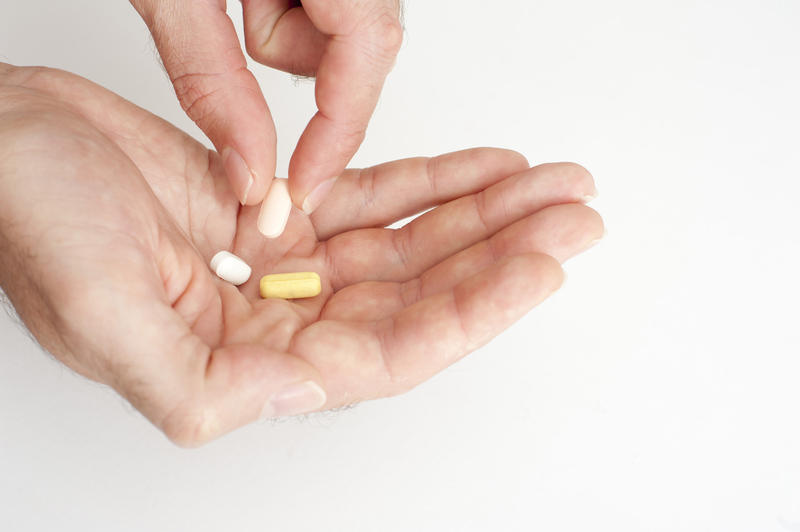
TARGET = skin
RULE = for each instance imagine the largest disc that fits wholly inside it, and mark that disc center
(109, 216)
(348, 45)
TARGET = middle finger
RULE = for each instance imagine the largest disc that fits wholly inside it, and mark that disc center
(403, 254)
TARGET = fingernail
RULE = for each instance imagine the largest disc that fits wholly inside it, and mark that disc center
(314, 199)
(297, 398)
(596, 240)
(275, 209)
(589, 197)
(241, 177)
(247, 190)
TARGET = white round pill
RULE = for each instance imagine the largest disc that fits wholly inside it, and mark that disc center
(230, 268)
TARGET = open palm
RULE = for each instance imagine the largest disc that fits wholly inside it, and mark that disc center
(127, 211)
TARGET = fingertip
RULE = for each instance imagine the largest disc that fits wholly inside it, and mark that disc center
(244, 383)
(512, 160)
(315, 198)
(299, 186)
(258, 190)
(581, 228)
(321, 155)
(301, 180)
(581, 178)
(559, 275)
(249, 185)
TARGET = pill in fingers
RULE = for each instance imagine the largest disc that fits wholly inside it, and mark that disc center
(230, 268)
(290, 285)
(275, 209)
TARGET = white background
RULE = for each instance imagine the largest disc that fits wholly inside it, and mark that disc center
(658, 390)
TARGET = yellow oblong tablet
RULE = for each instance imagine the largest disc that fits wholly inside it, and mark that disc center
(290, 285)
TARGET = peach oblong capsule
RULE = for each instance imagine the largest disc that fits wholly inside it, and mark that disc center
(275, 209)
(290, 285)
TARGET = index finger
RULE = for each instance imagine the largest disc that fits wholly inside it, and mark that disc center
(364, 38)
(200, 50)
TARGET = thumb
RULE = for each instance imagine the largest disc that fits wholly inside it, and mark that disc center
(200, 50)
(152, 332)
(241, 384)
(179, 370)
(194, 393)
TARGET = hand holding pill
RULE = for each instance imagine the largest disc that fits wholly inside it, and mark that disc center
(348, 46)
(110, 219)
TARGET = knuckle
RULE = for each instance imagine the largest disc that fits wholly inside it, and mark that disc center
(162, 15)
(199, 95)
(433, 174)
(382, 32)
(401, 242)
(367, 188)
(256, 44)
(255, 49)
(157, 15)
(264, 50)
(208, 97)
(388, 31)
(143, 8)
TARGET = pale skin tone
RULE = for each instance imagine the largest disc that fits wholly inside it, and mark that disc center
(349, 46)
(109, 216)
